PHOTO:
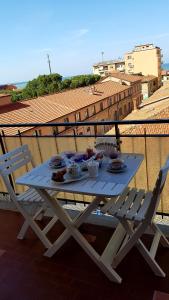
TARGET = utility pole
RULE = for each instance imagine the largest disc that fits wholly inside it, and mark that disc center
(49, 64)
(102, 53)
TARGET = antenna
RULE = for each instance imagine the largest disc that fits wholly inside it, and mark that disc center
(49, 64)
(102, 53)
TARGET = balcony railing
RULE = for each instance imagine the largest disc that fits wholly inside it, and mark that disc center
(155, 148)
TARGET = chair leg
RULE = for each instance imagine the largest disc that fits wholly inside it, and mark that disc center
(134, 240)
(150, 260)
(25, 225)
(23, 231)
(134, 236)
(164, 241)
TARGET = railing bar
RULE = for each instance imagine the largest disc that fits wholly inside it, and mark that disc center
(122, 122)
(145, 144)
(83, 136)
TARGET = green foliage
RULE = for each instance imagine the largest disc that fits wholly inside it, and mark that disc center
(49, 84)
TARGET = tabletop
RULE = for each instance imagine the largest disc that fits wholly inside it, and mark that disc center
(106, 184)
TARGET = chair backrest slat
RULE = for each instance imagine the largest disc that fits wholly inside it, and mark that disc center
(160, 182)
(14, 160)
(11, 162)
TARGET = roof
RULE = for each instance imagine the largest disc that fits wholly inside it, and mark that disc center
(164, 72)
(51, 107)
(148, 78)
(152, 128)
(155, 107)
(8, 87)
(109, 62)
(126, 77)
(4, 95)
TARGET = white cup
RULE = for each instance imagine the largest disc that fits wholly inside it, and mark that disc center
(93, 167)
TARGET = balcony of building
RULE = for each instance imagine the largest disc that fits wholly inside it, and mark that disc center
(70, 274)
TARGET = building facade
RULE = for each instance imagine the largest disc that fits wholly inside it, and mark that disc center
(103, 101)
(149, 84)
(144, 59)
(132, 81)
(106, 67)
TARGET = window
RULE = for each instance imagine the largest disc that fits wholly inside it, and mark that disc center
(39, 131)
(115, 116)
(129, 57)
(55, 130)
(120, 112)
(86, 114)
(88, 129)
(125, 109)
(129, 107)
(110, 101)
(119, 97)
(77, 117)
(66, 120)
(93, 110)
(101, 106)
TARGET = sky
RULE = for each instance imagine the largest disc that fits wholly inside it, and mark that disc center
(74, 33)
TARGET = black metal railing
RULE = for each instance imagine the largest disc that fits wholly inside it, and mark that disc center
(117, 125)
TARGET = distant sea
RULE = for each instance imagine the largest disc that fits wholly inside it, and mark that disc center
(21, 85)
(165, 66)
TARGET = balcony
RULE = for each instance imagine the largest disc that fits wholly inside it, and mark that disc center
(70, 274)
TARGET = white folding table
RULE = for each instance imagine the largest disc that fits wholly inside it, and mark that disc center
(106, 185)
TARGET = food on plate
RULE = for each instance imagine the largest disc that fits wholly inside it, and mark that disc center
(117, 163)
(99, 155)
(90, 152)
(56, 160)
(59, 176)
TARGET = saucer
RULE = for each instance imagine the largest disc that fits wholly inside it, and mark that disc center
(115, 170)
(57, 166)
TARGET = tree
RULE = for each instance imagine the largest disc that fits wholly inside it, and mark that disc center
(53, 83)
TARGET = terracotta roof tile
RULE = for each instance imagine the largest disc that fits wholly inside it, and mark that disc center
(127, 77)
(49, 108)
(148, 78)
(152, 128)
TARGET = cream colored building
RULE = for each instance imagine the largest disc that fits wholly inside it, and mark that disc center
(106, 67)
(144, 59)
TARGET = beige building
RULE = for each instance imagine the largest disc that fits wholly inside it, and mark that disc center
(149, 84)
(103, 101)
(106, 67)
(144, 59)
(133, 81)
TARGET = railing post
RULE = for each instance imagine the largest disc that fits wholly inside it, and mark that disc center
(117, 133)
(4, 152)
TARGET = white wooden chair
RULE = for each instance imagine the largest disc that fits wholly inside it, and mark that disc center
(9, 163)
(135, 210)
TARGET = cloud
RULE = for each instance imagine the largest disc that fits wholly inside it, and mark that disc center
(79, 33)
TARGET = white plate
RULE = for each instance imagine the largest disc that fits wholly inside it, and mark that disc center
(69, 179)
(53, 166)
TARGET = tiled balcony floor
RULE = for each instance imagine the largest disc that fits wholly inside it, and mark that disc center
(25, 274)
